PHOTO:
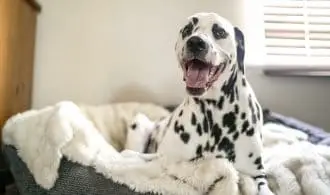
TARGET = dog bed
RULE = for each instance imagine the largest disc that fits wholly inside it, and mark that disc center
(61, 149)
(74, 177)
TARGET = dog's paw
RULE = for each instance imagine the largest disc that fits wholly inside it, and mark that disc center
(138, 132)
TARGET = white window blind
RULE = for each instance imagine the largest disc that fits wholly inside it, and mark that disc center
(297, 32)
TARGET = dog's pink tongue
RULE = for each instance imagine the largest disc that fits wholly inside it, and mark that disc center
(197, 76)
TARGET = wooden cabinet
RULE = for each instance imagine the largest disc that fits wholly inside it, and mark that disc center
(18, 19)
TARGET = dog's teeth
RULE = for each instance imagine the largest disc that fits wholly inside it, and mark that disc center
(212, 71)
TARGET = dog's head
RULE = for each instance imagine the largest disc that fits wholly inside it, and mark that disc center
(208, 46)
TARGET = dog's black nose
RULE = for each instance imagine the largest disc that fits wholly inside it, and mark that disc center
(196, 45)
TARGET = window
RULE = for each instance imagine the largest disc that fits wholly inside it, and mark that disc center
(297, 33)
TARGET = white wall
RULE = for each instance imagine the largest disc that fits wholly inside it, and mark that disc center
(101, 50)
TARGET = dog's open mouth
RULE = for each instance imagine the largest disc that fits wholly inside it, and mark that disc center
(199, 75)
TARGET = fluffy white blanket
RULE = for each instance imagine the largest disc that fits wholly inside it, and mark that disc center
(295, 166)
(42, 137)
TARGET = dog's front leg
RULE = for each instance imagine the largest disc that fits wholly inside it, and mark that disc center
(138, 133)
(249, 161)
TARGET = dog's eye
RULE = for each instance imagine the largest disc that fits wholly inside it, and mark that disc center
(187, 30)
(218, 32)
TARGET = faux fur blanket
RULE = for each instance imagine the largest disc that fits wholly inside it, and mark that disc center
(93, 137)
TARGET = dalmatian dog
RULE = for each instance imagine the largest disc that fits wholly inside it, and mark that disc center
(220, 117)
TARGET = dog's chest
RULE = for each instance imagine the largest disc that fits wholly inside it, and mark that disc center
(209, 126)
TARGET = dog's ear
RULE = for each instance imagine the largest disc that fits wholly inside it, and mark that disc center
(240, 48)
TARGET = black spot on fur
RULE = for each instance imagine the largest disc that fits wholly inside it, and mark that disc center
(219, 32)
(195, 20)
(224, 144)
(228, 147)
(236, 109)
(212, 186)
(257, 161)
(240, 48)
(211, 102)
(250, 155)
(216, 133)
(231, 156)
(235, 136)
(133, 126)
(243, 115)
(228, 87)
(199, 150)
(250, 132)
(253, 115)
(219, 156)
(185, 137)
(207, 146)
(261, 184)
(209, 117)
(180, 113)
(245, 126)
(205, 125)
(236, 92)
(202, 106)
(259, 176)
(229, 120)
(187, 30)
(220, 102)
(193, 119)
(195, 158)
(196, 100)
(199, 130)
(212, 148)
(178, 128)
(243, 82)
